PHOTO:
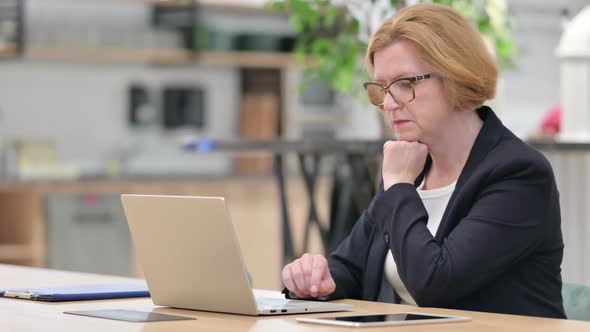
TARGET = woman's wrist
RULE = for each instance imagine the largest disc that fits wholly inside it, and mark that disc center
(390, 183)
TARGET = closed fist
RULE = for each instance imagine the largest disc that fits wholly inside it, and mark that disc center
(402, 162)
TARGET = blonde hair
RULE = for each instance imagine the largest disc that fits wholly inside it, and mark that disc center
(450, 46)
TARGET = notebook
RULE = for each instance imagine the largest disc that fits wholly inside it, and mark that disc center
(191, 258)
(79, 292)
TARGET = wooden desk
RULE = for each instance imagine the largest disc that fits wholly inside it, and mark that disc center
(22, 315)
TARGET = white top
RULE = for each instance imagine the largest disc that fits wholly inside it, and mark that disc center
(435, 201)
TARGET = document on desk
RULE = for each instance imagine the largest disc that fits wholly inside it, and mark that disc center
(128, 315)
(79, 292)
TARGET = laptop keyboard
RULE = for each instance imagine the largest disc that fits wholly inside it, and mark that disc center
(273, 303)
(265, 303)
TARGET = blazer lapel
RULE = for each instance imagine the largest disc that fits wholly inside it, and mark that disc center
(420, 177)
(487, 138)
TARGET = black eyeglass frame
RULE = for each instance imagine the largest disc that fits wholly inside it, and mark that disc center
(385, 89)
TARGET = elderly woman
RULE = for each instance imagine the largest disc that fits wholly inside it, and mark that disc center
(468, 214)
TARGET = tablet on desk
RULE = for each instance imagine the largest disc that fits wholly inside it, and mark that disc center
(401, 318)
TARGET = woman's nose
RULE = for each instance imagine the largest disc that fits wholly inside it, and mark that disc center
(389, 103)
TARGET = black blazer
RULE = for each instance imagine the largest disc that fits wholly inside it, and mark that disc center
(498, 247)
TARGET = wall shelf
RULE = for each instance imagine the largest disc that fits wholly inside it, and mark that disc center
(236, 6)
(247, 59)
(179, 3)
(161, 56)
(164, 56)
(233, 5)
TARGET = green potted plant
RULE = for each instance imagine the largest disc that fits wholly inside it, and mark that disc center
(332, 35)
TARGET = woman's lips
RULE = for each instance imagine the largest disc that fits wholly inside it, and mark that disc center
(400, 122)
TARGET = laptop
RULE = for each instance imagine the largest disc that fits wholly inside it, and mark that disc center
(191, 258)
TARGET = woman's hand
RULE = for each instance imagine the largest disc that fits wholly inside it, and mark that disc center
(402, 162)
(309, 276)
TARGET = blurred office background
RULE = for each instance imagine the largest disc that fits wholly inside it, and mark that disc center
(103, 97)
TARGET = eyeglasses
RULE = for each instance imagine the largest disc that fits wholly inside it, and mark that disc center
(402, 90)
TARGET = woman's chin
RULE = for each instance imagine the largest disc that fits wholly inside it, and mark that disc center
(406, 137)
